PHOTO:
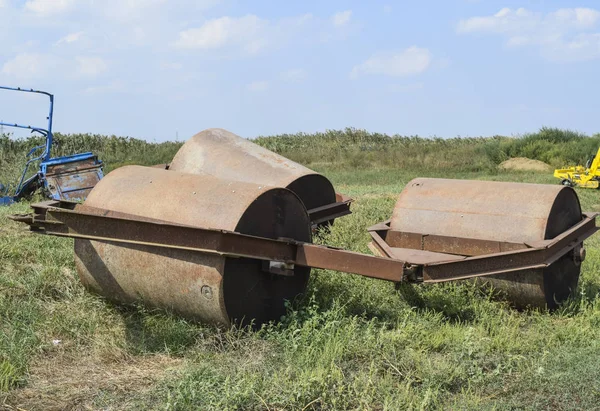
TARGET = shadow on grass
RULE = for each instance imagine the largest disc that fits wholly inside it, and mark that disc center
(151, 331)
(383, 303)
(455, 307)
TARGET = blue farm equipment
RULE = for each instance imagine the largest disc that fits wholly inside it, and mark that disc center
(61, 178)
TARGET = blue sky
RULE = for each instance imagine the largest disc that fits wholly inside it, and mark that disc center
(157, 69)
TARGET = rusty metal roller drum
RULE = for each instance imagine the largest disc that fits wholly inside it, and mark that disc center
(206, 287)
(499, 211)
(223, 154)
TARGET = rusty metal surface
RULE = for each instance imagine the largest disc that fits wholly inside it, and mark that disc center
(187, 283)
(72, 166)
(404, 264)
(485, 210)
(85, 222)
(198, 245)
(195, 200)
(75, 180)
(225, 155)
(482, 213)
(331, 211)
(421, 257)
(199, 285)
(103, 225)
(438, 267)
(350, 262)
(541, 280)
(449, 245)
(378, 236)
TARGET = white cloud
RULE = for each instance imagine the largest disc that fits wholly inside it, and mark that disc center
(168, 65)
(47, 7)
(139, 4)
(560, 35)
(414, 60)
(248, 34)
(37, 65)
(585, 46)
(245, 32)
(524, 21)
(581, 18)
(293, 75)
(29, 65)
(341, 18)
(257, 86)
(148, 11)
(112, 87)
(70, 38)
(91, 66)
(406, 88)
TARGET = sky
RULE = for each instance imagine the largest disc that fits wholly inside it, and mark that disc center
(167, 69)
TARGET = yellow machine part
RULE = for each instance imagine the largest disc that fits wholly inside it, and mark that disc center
(580, 176)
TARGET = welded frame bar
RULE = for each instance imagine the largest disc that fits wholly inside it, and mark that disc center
(440, 244)
(536, 255)
(449, 245)
(331, 211)
(66, 219)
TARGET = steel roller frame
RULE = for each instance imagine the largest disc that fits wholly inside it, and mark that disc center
(422, 265)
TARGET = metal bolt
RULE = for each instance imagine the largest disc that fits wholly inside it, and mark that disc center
(579, 255)
(206, 291)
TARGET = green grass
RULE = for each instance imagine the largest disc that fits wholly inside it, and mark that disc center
(333, 149)
(351, 343)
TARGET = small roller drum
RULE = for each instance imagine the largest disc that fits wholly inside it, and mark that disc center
(503, 212)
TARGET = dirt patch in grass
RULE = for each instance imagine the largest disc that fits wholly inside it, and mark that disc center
(66, 383)
(524, 164)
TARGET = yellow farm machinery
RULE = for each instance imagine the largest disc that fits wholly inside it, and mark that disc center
(587, 176)
(224, 234)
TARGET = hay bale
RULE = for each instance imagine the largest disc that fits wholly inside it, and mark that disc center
(524, 164)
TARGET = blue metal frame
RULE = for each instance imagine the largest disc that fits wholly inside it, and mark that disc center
(55, 184)
(46, 132)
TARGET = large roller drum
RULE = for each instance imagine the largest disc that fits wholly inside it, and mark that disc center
(202, 286)
(503, 212)
(223, 154)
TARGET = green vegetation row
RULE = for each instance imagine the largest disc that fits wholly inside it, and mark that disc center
(349, 148)
(352, 148)
(114, 151)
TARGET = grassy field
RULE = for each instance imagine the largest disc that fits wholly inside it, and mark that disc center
(350, 343)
